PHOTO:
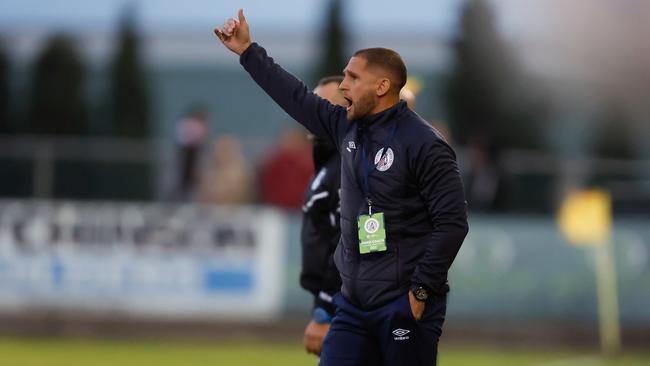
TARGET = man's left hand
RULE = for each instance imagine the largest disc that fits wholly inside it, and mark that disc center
(417, 307)
(314, 335)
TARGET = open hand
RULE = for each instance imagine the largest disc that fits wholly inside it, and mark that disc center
(235, 34)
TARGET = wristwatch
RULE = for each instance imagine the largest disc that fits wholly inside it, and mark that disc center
(420, 293)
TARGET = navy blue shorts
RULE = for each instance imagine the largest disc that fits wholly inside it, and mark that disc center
(387, 336)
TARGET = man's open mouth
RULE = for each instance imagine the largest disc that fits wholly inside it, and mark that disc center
(349, 103)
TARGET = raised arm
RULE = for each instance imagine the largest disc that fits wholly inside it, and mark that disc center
(322, 118)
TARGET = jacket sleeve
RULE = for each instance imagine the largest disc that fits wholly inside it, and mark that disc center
(332, 278)
(441, 188)
(322, 118)
(319, 237)
(315, 241)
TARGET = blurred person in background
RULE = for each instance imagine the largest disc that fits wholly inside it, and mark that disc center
(227, 178)
(321, 228)
(483, 178)
(191, 134)
(408, 96)
(393, 297)
(286, 171)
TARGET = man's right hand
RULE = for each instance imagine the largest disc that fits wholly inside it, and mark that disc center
(235, 34)
(314, 335)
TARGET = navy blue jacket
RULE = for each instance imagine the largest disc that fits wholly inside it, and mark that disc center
(321, 229)
(420, 194)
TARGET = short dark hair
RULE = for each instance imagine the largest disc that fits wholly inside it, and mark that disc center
(388, 60)
(330, 79)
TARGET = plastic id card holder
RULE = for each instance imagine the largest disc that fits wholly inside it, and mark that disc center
(372, 233)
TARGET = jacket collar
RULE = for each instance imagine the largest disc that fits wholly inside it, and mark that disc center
(382, 116)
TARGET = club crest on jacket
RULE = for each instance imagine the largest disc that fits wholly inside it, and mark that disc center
(386, 160)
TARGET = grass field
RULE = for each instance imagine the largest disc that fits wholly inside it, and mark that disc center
(44, 352)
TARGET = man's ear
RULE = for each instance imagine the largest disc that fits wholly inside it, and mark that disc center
(383, 87)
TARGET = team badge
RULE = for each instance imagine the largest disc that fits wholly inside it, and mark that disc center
(371, 226)
(386, 161)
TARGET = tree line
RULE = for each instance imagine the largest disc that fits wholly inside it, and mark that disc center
(57, 104)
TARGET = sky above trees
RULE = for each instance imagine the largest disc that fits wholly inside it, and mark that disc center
(373, 15)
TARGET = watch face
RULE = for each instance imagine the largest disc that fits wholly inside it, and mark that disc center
(421, 294)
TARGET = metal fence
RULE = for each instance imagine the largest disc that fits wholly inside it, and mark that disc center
(144, 169)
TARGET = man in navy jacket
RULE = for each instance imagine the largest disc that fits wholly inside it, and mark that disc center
(321, 230)
(403, 210)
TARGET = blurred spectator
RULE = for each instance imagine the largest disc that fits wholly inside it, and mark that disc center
(410, 91)
(483, 178)
(228, 177)
(191, 134)
(287, 170)
(408, 96)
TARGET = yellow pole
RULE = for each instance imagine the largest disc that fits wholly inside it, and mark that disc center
(610, 333)
(585, 218)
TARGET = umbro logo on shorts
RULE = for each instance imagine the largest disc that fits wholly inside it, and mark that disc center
(400, 334)
(351, 145)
